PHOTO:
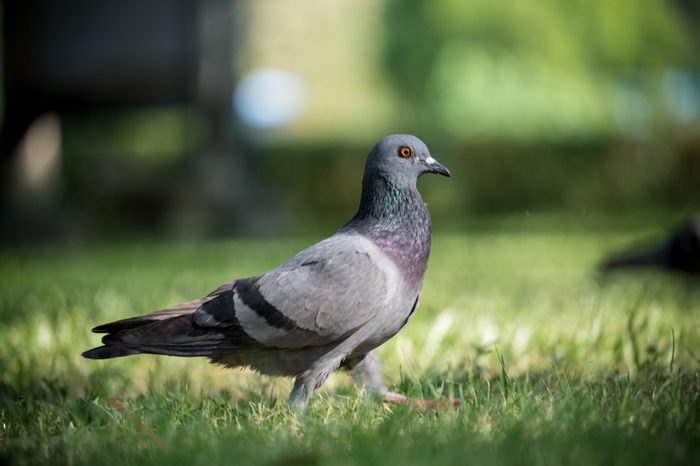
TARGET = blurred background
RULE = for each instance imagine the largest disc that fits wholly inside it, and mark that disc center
(246, 117)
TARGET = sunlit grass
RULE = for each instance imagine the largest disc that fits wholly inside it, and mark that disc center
(553, 363)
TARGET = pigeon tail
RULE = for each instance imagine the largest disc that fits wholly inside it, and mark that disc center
(175, 336)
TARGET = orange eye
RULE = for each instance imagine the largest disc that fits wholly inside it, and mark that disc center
(405, 152)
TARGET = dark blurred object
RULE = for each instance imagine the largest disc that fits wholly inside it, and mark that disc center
(103, 62)
(80, 55)
(680, 252)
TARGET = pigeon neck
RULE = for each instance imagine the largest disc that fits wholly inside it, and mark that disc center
(386, 203)
(396, 219)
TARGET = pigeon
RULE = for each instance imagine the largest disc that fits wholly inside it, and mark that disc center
(326, 308)
(680, 252)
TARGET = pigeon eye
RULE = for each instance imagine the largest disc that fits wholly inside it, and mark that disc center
(405, 152)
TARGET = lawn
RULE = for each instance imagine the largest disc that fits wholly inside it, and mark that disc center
(553, 363)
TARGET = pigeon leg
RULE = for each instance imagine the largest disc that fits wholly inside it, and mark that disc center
(367, 372)
(312, 378)
(304, 386)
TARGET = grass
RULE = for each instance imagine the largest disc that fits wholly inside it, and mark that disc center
(554, 364)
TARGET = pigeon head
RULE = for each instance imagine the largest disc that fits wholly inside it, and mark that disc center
(402, 158)
(392, 213)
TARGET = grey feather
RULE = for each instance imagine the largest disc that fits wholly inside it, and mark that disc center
(328, 306)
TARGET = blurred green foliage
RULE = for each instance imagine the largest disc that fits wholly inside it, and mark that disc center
(549, 105)
(533, 70)
(152, 135)
(321, 185)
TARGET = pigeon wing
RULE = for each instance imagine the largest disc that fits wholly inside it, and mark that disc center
(320, 296)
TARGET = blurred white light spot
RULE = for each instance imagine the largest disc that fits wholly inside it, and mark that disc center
(269, 98)
(489, 332)
(39, 153)
(437, 333)
(521, 339)
(43, 335)
(404, 348)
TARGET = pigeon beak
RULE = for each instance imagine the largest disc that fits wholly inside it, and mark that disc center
(433, 166)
